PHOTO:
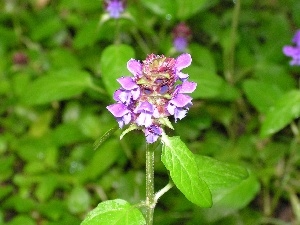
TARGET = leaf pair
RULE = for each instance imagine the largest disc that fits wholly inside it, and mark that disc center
(196, 176)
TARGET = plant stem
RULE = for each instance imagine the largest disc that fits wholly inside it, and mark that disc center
(230, 53)
(150, 201)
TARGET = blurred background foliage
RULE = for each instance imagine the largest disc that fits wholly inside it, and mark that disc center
(59, 62)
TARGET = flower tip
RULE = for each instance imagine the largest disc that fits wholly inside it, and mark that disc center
(183, 61)
(134, 67)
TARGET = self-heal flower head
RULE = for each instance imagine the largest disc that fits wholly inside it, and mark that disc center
(181, 36)
(115, 8)
(158, 89)
(293, 51)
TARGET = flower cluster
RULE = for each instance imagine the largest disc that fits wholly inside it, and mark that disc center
(114, 8)
(181, 35)
(294, 51)
(156, 90)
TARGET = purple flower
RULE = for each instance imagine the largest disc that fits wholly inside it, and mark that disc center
(296, 38)
(115, 8)
(145, 110)
(135, 67)
(180, 43)
(293, 51)
(181, 36)
(182, 61)
(121, 112)
(179, 105)
(152, 133)
(129, 90)
(153, 93)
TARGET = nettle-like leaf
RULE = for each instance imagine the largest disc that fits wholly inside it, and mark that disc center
(180, 161)
(113, 63)
(285, 110)
(55, 86)
(231, 199)
(116, 212)
(262, 95)
(219, 175)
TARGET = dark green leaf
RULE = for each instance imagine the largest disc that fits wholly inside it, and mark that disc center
(217, 174)
(229, 200)
(107, 155)
(187, 8)
(113, 65)
(262, 95)
(55, 86)
(208, 83)
(285, 110)
(117, 212)
(180, 161)
(162, 8)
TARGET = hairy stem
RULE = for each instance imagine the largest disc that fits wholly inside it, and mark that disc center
(150, 201)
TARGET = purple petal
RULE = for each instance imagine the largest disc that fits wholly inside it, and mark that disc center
(125, 97)
(127, 83)
(118, 109)
(135, 93)
(115, 8)
(120, 122)
(180, 43)
(117, 95)
(290, 51)
(181, 100)
(135, 67)
(144, 119)
(183, 61)
(187, 87)
(152, 133)
(127, 118)
(151, 138)
(144, 106)
(183, 76)
(180, 113)
(171, 108)
(296, 38)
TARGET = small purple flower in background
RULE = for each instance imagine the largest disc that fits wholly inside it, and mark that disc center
(158, 89)
(114, 7)
(181, 35)
(294, 51)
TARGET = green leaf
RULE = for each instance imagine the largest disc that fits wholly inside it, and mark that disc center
(21, 219)
(203, 57)
(56, 86)
(117, 212)
(208, 83)
(187, 8)
(113, 65)
(46, 187)
(161, 8)
(79, 200)
(262, 95)
(180, 161)
(217, 174)
(102, 160)
(285, 110)
(229, 200)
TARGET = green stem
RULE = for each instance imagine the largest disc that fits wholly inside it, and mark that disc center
(230, 53)
(150, 201)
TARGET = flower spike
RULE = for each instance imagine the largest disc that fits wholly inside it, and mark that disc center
(153, 93)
